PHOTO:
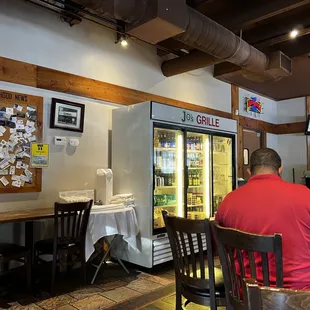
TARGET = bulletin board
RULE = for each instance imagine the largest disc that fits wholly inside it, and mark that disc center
(21, 121)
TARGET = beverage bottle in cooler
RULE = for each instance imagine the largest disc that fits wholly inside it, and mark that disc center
(170, 179)
(172, 143)
(163, 140)
(192, 143)
(190, 180)
(156, 139)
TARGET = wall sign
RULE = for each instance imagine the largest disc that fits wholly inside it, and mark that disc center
(67, 115)
(253, 104)
(39, 155)
(171, 114)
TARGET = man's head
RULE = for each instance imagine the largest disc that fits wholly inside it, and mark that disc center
(265, 161)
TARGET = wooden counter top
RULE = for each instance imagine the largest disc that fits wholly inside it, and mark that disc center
(26, 215)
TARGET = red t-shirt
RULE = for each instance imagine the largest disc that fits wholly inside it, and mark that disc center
(268, 205)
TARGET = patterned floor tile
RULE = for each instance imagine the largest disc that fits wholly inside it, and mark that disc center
(121, 294)
(66, 307)
(163, 279)
(27, 307)
(144, 286)
(93, 303)
(85, 292)
(111, 285)
(55, 302)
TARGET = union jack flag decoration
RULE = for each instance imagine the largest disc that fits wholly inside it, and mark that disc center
(253, 105)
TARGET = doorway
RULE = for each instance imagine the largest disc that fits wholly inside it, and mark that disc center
(252, 140)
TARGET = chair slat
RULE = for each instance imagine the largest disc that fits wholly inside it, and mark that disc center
(235, 279)
(265, 267)
(241, 263)
(252, 265)
(192, 255)
(62, 224)
(201, 257)
(185, 257)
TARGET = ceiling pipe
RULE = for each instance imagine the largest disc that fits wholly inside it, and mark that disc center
(155, 20)
(210, 37)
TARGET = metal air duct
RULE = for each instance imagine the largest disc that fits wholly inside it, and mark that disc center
(156, 20)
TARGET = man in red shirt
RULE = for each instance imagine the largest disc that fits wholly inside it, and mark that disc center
(267, 205)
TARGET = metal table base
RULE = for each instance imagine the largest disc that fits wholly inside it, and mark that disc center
(104, 259)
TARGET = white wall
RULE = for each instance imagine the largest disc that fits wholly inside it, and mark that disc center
(70, 168)
(269, 107)
(37, 36)
(292, 110)
(293, 151)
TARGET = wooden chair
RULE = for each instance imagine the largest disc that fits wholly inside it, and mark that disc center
(14, 252)
(234, 246)
(267, 298)
(195, 281)
(70, 225)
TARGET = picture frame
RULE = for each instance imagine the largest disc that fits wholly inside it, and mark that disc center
(67, 115)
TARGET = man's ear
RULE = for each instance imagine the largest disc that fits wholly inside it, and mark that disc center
(280, 170)
(249, 172)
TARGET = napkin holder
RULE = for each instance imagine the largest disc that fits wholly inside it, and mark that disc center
(104, 189)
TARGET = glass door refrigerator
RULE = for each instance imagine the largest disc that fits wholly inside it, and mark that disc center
(170, 159)
(223, 169)
(168, 175)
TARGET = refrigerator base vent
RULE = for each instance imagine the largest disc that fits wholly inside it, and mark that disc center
(162, 250)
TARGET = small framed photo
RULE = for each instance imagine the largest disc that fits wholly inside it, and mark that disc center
(67, 115)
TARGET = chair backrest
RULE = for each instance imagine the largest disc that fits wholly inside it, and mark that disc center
(187, 237)
(239, 249)
(70, 221)
(267, 298)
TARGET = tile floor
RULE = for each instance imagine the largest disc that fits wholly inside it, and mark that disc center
(113, 289)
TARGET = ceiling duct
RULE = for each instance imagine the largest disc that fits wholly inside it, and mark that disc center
(152, 21)
(157, 20)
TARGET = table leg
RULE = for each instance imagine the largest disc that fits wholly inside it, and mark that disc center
(29, 238)
(102, 261)
(30, 245)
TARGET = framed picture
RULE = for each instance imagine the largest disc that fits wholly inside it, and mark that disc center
(67, 115)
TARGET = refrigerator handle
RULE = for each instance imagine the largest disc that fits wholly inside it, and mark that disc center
(234, 177)
(186, 179)
(154, 185)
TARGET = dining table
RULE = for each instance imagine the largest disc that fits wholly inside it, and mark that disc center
(103, 222)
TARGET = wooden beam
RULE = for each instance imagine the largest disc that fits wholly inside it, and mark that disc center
(308, 137)
(36, 76)
(255, 12)
(235, 115)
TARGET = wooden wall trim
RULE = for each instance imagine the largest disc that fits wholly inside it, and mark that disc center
(277, 129)
(36, 76)
(19, 72)
(236, 116)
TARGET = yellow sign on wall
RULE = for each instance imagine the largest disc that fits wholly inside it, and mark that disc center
(39, 155)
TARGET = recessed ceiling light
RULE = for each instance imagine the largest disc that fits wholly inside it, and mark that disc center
(294, 33)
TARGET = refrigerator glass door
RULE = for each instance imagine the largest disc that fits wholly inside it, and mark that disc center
(222, 169)
(168, 174)
(198, 175)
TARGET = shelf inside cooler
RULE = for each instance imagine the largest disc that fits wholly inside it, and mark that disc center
(195, 168)
(167, 206)
(193, 206)
(164, 187)
(169, 149)
(195, 186)
(194, 151)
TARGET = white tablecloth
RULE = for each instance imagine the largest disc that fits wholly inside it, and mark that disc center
(107, 221)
